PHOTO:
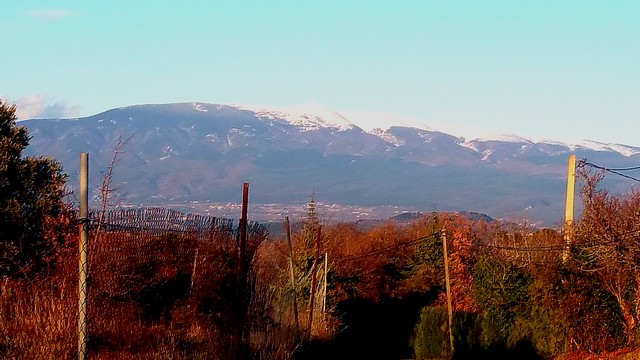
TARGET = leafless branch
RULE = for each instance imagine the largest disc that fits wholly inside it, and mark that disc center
(107, 190)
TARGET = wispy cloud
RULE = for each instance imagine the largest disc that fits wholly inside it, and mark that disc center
(48, 14)
(39, 106)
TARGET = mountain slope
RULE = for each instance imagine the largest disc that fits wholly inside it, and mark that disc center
(180, 153)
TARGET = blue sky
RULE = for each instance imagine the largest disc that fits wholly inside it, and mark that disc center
(562, 70)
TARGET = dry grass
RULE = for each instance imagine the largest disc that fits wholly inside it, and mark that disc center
(38, 317)
(144, 303)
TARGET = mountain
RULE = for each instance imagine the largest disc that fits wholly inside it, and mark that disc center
(196, 155)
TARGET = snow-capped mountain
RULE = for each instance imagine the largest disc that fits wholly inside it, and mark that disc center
(307, 117)
(202, 152)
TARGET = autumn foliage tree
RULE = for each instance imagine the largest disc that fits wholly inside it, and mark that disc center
(607, 246)
(31, 201)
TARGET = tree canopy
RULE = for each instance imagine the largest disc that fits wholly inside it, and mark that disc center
(31, 198)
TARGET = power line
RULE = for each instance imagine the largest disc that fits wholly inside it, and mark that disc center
(379, 251)
(617, 237)
(616, 171)
(626, 168)
(525, 249)
(385, 249)
(543, 248)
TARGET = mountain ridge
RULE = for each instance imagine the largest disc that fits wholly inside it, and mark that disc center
(186, 152)
(317, 111)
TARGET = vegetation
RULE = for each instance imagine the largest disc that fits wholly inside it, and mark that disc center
(159, 294)
(31, 203)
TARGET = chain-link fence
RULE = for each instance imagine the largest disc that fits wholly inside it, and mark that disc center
(161, 284)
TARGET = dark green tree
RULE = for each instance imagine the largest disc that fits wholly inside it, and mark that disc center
(31, 199)
(304, 256)
(501, 290)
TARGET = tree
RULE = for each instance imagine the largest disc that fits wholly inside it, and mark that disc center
(500, 289)
(107, 190)
(31, 198)
(607, 246)
(304, 250)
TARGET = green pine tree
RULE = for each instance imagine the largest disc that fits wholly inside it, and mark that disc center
(31, 194)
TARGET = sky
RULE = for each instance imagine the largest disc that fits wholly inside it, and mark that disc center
(557, 70)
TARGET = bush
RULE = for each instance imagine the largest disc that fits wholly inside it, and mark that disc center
(432, 334)
(431, 337)
(542, 321)
(500, 290)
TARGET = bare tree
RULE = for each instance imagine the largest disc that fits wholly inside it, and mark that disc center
(608, 245)
(107, 189)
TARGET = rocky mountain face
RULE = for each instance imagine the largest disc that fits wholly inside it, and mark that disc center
(194, 153)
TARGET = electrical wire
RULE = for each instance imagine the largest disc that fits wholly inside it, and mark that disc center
(629, 168)
(616, 171)
(385, 249)
(525, 249)
(544, 248)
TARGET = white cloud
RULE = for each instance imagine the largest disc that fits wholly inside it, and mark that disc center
(39, 106)
(48, 14)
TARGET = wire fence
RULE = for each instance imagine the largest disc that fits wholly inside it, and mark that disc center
(161, 284)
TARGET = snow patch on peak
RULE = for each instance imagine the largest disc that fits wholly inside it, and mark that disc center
(553, 142)
(510, 138)
(386, 136)
(199, 107)
(371, 121)
(598, 146)
(308, 117)
(624, 150)
(468, 144)
(486, 154)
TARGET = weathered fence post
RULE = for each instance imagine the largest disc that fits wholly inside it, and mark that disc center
(324, 286)
(314, 271)
(287, 228)
(243, 329)
(82, 263)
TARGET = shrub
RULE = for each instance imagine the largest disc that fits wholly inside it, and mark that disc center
(431, 337)
(432, 334)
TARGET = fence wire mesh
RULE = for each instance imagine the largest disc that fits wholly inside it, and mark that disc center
(161, 284)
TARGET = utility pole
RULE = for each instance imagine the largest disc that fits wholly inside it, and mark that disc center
(83, 248)
(287, 228)
(448, 287)
(568, 211)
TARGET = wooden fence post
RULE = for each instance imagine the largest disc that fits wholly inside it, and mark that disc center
(314, 270)
(243, 329)
(82, 259)
(448, 287)
(287, 228)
